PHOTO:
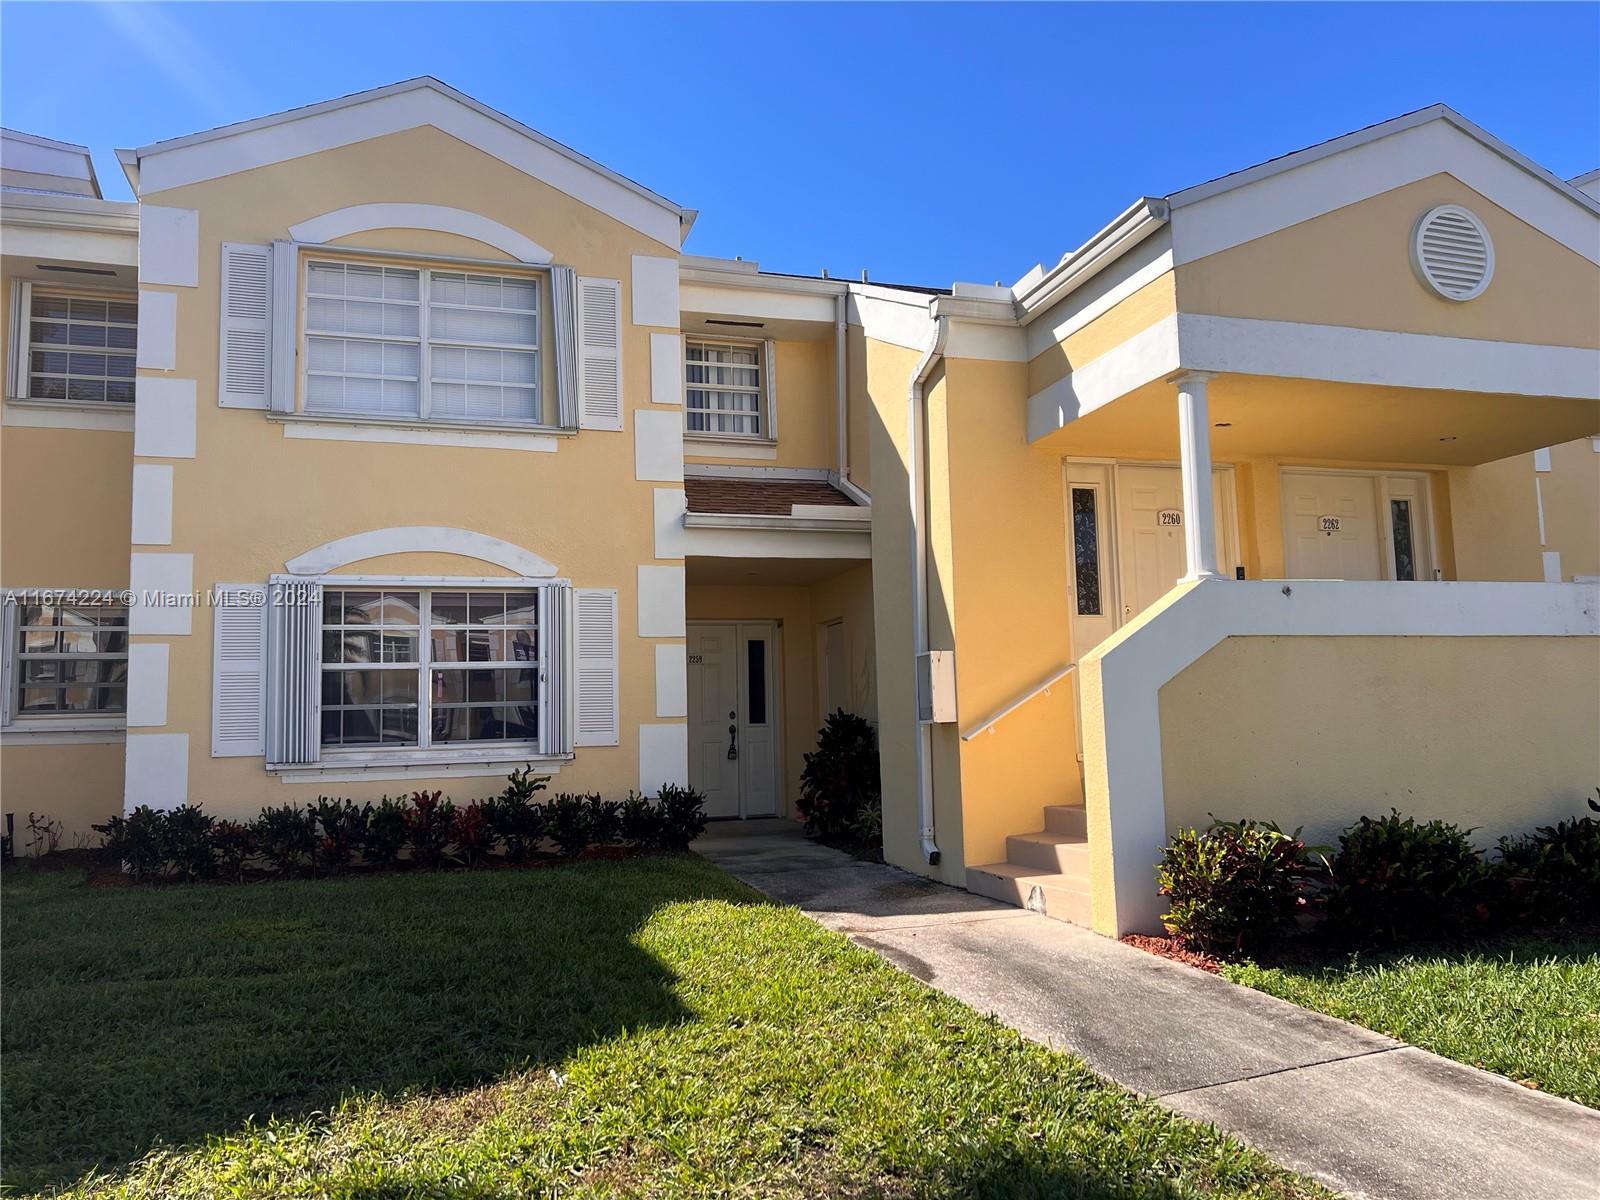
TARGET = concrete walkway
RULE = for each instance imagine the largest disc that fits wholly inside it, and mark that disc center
(1365, 1114)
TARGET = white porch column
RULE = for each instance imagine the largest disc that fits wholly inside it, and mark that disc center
(1194, 440)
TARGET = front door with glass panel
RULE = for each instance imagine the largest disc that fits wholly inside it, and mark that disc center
(733, 720)
(1353, 525)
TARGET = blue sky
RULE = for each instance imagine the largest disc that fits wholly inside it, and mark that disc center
(925, 143)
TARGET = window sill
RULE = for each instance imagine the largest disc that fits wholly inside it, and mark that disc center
(728, 439)
(418, 431)
(116, 416)
(711, 446)
(86, 732)
(352, 767)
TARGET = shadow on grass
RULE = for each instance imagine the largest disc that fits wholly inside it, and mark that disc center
(1565, 944)
(142, 1016)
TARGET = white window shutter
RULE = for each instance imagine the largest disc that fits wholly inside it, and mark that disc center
(563, 305)
(769, 379)
(245, 372)
(555, 639)
(294, 672)
(599, 353)
(239, 672)
(8, 654)
(19, 335)
(598, 722)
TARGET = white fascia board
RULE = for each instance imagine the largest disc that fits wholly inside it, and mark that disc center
(1096, 293)
(1135, 223)
(986, 341)
(736, 541)
(722, 299)
(783, 525)
(408, 105)
(70, 212)
(119, 249)
(1147, 355)
(44, 156)
(727, 471)
(1307, 185)
(1423, 116)
(695, 270)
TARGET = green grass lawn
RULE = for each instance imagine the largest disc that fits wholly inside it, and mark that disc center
(644, 1028)
(1526, 1007)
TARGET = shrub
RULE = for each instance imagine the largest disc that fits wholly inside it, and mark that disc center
(683, 816)
(386, 833)
(44, 834)
(428, 823)
(569, 826)
(137, 843)
(1554, 872)
(235, 845)
(514, 817)
(840, 793)
(639, 822)
(1397, 881)
(472, 834)
(341, 828)
(187, 842)
(1236, 886)
(605, 823)
(286, 836)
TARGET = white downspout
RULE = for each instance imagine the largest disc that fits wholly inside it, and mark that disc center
(841, 382)
(916, 424)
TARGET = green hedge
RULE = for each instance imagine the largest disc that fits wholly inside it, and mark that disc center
(424, 831)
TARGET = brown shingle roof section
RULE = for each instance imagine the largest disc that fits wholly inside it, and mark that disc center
(759, 497)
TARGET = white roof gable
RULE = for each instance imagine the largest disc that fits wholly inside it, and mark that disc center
(280, 137)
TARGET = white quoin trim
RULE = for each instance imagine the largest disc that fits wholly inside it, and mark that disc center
(1122, 679)
(420, 539)
(360, 218)
(1194, 456)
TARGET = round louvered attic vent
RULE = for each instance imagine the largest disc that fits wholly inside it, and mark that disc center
(1452, 252)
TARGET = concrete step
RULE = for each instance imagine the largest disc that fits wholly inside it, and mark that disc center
(1066, 854)
(1067, 820)
(1055, 895)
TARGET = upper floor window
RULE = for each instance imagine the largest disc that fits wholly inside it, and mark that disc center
(436, 344)
(725, 388)
(81, 347)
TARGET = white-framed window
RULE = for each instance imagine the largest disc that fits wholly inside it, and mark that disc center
(77, 346)
(422, 342)
(66, 658)
(421, 668)
(726, 388)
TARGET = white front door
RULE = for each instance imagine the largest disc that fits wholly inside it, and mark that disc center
(1150, 542)
(1355, 525)
(733, 720)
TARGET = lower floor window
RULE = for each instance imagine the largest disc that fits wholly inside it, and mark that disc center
(71, 660)
(429, 668)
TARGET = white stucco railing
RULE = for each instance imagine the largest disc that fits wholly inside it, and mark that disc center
(1121, 681)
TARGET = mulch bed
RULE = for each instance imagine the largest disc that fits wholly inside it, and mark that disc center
(1173, 948)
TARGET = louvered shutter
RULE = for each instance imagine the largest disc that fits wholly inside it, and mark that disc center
(246, 367)
(8, 654)
(294, 672)
(20, 334)
(563, 305)
(599, 353)
(595, 667)
(555, 726)
(239, 671)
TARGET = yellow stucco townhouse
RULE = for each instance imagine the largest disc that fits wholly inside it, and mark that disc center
(388, 444)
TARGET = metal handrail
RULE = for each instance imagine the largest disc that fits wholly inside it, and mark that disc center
(968, 734)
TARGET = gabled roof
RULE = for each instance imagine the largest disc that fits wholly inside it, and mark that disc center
(1371, 133)
(35, 155)
(424, 100)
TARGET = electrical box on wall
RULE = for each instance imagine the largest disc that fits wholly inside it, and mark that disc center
(936, 686)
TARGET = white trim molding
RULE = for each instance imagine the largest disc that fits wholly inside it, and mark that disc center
(655, 291)
(420, 539)
(672, 676)
(152, 504)
(164, 418)
(661, 602)
(158, 331)
(147, 684)
(163, 593)
(169, 245)
(1121, 681)
(413, 433)
(156, 771)
(663, 757)
(362, 218)
(658, 446)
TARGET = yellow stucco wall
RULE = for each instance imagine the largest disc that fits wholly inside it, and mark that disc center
(1495, 521)
(65, 499)
(252, 498)
(1008, 562)
(859, 415)
(1317, 731)
(1360, 261)
(1152, 303)
(1570, 492)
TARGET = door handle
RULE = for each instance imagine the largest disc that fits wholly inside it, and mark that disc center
(733, 738)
